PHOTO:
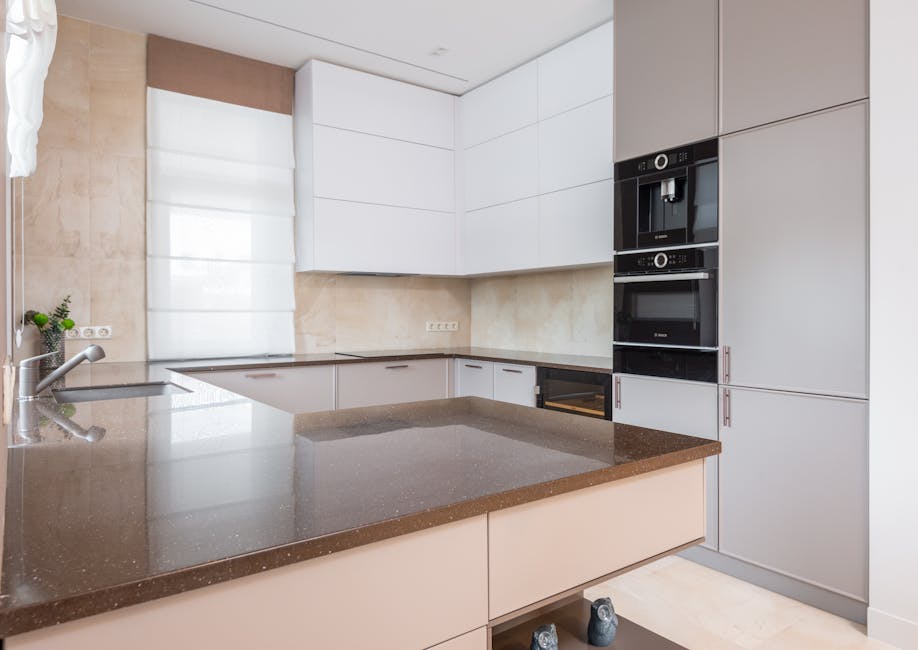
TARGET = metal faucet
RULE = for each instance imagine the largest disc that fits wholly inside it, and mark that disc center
(29, 384)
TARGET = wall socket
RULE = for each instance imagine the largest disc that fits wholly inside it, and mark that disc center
(90, 332)
(442, 326)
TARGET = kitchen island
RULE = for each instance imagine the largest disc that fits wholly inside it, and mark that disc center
(208, 519)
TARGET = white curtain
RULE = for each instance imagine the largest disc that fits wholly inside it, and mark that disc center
(32, 25)
(219, 228)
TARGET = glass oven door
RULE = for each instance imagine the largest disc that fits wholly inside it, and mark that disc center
(672, 309)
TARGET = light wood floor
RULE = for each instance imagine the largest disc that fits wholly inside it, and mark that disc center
(703, 609)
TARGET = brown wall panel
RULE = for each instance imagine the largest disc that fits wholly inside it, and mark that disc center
(200, 71)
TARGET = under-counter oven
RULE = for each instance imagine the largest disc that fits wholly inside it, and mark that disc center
(575, 391)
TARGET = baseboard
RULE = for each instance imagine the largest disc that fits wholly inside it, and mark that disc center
(891, 629)
(829, 601)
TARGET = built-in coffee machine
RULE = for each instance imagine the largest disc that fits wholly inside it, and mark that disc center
(666, 263)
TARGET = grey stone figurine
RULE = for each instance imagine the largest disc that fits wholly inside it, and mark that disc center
(603, 623)
(545, 637)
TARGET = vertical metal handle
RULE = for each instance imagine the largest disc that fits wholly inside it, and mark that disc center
(727, 415)
(617, 392)
(726, 363)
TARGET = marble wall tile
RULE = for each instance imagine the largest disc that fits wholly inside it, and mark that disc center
(566, 311)
(117, 72)
(118, 298)
(314, 320)
(66, 105)
(117, 205)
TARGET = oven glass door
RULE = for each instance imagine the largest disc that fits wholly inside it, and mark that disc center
(677, 309)
(574, 391)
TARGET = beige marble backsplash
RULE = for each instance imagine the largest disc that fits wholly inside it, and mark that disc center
(567, 312)
(84, 206)
(350, 313)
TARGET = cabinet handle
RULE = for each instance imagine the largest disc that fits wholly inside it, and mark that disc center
(401, 365)
(260, 375)
(519, 372)
(726, 362)
(728, 416)
(468, 365)
(617, 392)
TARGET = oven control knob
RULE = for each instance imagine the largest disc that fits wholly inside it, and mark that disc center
(660, 260)
(661, 161)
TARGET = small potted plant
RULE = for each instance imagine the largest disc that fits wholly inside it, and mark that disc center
(51, 329)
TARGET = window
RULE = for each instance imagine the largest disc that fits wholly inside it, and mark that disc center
(219, 228)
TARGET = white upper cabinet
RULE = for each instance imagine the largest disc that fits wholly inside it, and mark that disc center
(503, 169)
(575, 147)
(375, 187)
(358, 101)
(505, 104)
(371, 169)
(821, 61)
(666, 73)
(575, 226)
(576, 73)
(502, 238)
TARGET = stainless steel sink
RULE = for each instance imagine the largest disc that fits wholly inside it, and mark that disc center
(121, 391)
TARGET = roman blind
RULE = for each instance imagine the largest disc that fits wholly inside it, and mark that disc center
(219, 228)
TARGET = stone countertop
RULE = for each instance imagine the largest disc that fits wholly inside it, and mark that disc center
(602, 364)
(198, 487)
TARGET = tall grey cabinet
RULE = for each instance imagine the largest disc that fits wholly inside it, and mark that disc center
(665, 74)
(793, 487)
(794, 254)
(782, 58)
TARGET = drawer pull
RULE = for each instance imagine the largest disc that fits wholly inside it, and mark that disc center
(260, 375)
(727, 409)
(618, 392)
(469, 365)
(401, 365)
(518, 372)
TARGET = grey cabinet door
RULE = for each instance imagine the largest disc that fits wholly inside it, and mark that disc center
(686, 407)
(793, 486)
(665, 74)
(794, 254)
(783, 58)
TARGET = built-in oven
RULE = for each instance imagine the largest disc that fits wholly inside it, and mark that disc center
(665, 320)
(668, 198)
(575, 391)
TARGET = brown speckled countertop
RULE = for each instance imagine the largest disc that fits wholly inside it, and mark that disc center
(199, 487)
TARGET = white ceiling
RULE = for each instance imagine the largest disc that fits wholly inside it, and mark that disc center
(393, 38)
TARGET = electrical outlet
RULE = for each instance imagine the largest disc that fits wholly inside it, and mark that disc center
(73, 333)
(442, 326)
(88, 332)
(103, 331)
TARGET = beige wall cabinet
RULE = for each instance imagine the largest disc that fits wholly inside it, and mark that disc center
(298, 389)
(783, 58)
(690, 409)
(392, 382)
(665, 73)
(794, 254)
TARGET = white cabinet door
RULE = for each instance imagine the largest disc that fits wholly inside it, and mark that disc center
(360, 237)
(575, 226)
(821, 62)
(794, 254)
(296, 389)
(793, 487)
(474, 378)
(576, 147)
(666, 68)
(501, 238)
(372, 169)
(576, 73)
(515, 383)
(686, 407)
(505, 104)
(392, 382)
(358, 101)
(502, 170)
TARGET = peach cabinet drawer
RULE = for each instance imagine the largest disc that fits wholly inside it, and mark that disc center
(392, 382)
(474, 640)
(295, 389)
(540, 549)
(404, 593)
